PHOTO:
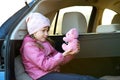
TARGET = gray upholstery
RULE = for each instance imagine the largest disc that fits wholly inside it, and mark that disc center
(20, 73)
(110, 78)
(108, 28)
(113, 27)
(74, 19)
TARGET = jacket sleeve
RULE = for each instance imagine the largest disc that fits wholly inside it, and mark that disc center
(66, 59)
(38, 58)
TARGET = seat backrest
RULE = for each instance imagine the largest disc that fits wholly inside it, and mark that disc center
(108, 28)
(113, 27)
(74, 19)
(20, 73)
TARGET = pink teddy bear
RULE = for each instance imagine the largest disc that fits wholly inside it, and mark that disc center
(71, 40)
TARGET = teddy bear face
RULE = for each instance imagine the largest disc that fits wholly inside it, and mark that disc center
(70, 35)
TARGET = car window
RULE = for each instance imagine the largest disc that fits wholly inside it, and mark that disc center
(85, 10)
(108, 16)
(110, 22)
(9, 7)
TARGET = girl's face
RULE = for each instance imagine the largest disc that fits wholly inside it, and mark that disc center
(42, 34)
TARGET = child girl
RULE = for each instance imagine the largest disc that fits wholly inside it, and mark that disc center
(40, 59)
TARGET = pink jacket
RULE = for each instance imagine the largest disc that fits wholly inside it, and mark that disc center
(38, 62)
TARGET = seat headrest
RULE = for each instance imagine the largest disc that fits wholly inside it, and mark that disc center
(116, 19)
(74, 20)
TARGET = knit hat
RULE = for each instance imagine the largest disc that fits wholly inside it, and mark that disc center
(36, 21)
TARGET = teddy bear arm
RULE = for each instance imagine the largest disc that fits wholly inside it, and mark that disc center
(74, 44)
(64, 46)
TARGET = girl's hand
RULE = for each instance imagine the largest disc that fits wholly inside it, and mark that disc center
(78, 47)
(66, 53)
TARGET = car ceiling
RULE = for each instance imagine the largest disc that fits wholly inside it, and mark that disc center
(101, 4)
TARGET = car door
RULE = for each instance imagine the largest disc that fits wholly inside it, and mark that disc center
(5, 28)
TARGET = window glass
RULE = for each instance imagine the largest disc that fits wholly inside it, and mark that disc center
(9, 7)
(108, 16)
(85, 10)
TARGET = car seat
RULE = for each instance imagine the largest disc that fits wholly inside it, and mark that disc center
(20, 73)
(108, 28)
(116, 19)
(74, 19)
(110, 78)
(113, 27)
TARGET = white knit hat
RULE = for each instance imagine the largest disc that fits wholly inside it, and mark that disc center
(36, 21)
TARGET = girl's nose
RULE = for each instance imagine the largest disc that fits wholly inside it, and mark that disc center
(46, 33)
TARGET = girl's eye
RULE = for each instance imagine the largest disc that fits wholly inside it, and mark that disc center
(43, 30)
(47, 30)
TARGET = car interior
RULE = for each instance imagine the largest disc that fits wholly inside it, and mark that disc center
(99, 44)
(113, 27)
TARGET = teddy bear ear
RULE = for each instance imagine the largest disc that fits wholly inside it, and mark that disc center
(73, 30)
